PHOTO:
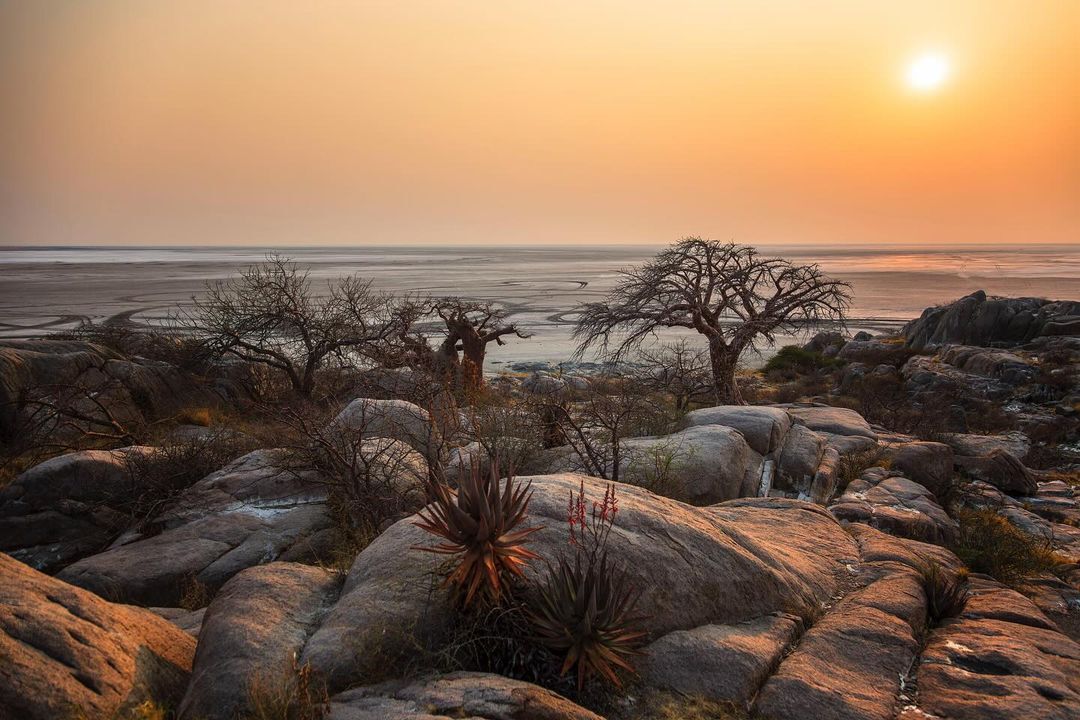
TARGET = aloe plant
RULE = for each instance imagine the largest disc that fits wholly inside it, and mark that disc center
(480, 523)
(586, 608)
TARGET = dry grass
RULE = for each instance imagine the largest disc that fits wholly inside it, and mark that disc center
(201, 416)
(194, 594)
(290, 694)
(990, 544)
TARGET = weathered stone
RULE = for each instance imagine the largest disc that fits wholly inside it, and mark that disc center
(849, 664)
(251, 632)
(63, 650)
(397, 419)
(973, 669)
(695, 566)
(978, 320)
(928, 463)
(763, 427)
(58, 511)
(710, 463)
(190, 621)
(476, 696)
(800, 458)
(835, 420)
(1002, 470)
(724, 663)
(894, 504)
(1014, 443)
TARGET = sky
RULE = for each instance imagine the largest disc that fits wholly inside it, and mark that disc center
(276, 122)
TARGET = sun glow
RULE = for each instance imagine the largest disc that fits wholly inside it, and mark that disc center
(928, 72)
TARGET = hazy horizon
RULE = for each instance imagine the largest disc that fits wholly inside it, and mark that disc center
(776, 122)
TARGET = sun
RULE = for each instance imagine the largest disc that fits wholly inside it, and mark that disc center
(928, 72)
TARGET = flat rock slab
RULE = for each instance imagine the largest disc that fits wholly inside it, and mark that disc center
(63, 649)
(848, 665)
(974, 669)
(210, 550)
(472, 696)
(724, 663)
(59, 510)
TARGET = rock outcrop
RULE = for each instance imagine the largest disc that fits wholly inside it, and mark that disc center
(64, 650)
(719, 565)
(890, 502)
(979, 320)
(251, 512)
(60, 510)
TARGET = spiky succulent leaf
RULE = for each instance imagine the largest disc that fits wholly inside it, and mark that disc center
(587, 610)
(480, 523)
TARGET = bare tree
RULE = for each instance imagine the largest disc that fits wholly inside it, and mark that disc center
(728, 293)
(271, 315)
(679, 369)
(595, 422)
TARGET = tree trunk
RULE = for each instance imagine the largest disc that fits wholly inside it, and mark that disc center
(474, 350)
(725, 360)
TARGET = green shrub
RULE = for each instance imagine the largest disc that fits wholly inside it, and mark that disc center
(791, 361)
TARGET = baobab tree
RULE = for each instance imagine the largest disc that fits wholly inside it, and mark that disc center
(470, 326)
(726, 292)
(270, 314)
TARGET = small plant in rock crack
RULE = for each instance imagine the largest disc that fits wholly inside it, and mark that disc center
(586, 608)
(946, 592)
(481, 524)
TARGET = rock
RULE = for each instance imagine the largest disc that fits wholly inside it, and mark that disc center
(873, 352)
(889, 502)
(1006, 366)
(982, 668)
(1014, 443)
(63, 650)
(723, 663)
(190, 621)
(835, 420)
(799, 459)
(722, 564)
(137, 390)
(928, 375)
(990, 600)
(396, 419)
(881, 549)
(544, 384)
(849, 664)
(59, 511)
(476, 696)
(249, 513)
(824, 340)
(978, 320)
(710, 463)
(928, 463)
(823, 486)
(1002, 470)
(764, 428)
(252, 631)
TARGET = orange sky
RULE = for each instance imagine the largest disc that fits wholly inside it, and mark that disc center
(277, 122)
